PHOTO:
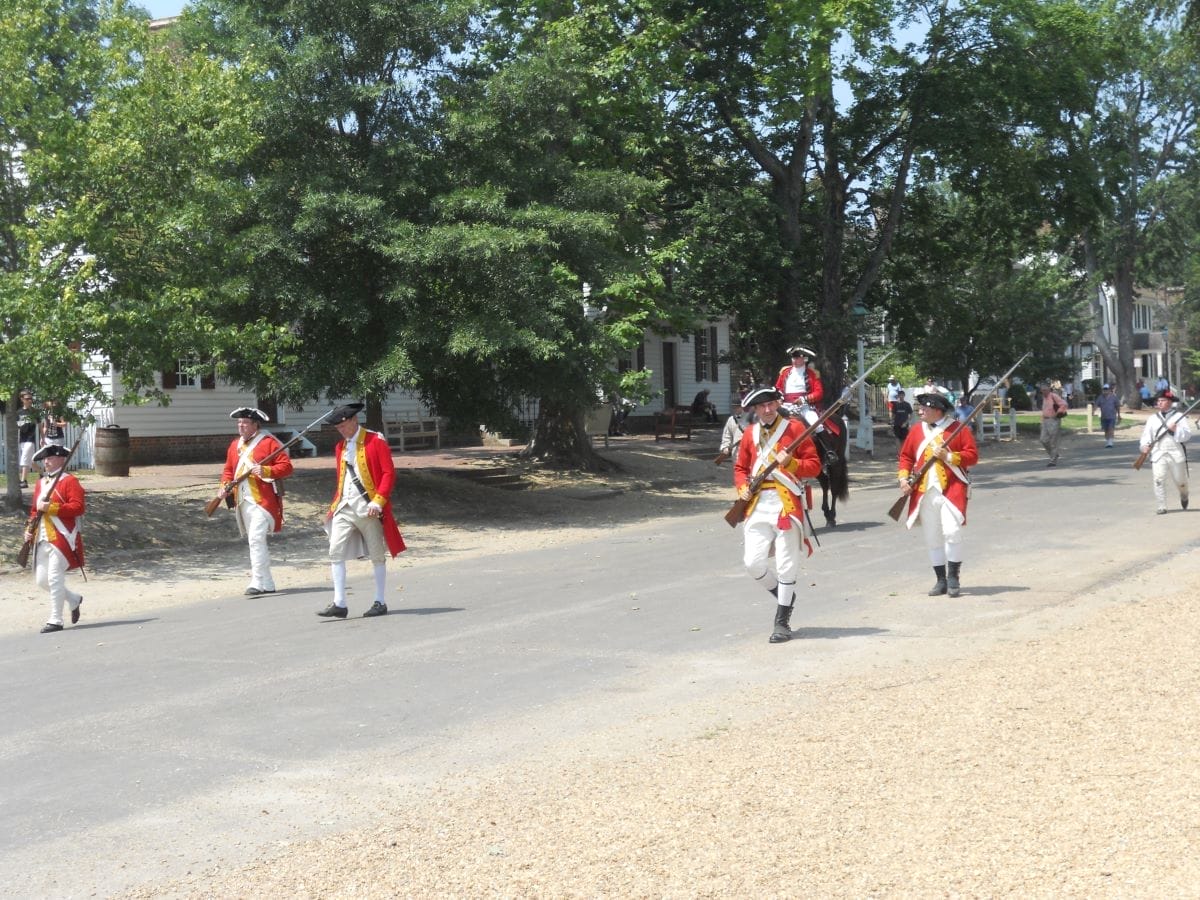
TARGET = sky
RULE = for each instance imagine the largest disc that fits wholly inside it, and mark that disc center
(161, 8)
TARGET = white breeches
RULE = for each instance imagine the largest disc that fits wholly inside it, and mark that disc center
(1169, 468)
(943, 533)
(257, 523)
(52, 574)
(351, 536)
(761, 533)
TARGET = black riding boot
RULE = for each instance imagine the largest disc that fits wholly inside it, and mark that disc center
(952, 578)
(940, 588)
(783, 617)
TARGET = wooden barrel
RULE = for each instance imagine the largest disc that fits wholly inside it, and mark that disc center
(112, 451)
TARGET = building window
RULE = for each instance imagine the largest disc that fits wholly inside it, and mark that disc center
(707, 362)
(184, 377)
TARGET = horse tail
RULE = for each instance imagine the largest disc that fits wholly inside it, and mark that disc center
(839, 476)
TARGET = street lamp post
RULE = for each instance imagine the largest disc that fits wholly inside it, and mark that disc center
(864, 438)
(1166, 356)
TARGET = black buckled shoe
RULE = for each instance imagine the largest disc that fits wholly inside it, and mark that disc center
(377, 609)
(333, 611)
(75, 613)
(49, 627)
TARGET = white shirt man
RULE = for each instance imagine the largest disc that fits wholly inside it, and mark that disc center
(1164, 436)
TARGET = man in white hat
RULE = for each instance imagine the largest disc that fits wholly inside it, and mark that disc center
(54, 527)
(799, 383)
(256, 498)
(775, 517)
(360, 519)
(939, 499)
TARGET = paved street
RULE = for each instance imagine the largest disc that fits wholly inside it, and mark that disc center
(147, 748)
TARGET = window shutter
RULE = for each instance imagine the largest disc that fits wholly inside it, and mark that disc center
(170, 381)
(713, 357)
(208, 382)
(698, 342)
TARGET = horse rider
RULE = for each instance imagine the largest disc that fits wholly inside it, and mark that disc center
(800, 384)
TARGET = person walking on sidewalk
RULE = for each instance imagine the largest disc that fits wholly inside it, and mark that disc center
(775, 518)
(258, 498)
(731, 434)
(1164, 436)
(1054, 408)
(27, 436)
(360, 520)
(54, 529)
(939, 500)
(1109, 408)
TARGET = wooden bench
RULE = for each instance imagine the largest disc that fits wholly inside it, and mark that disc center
(425, 432)
(674, 422)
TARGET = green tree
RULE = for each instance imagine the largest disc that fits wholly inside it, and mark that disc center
(1134, 167)
(970, 289)
(838, 109)
(116, 159)
(430, 207)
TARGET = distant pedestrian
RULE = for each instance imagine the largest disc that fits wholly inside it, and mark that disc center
(1164, 436)
(893, 390)
(27, 435)
(731, 434)
(1054, 409)
(1162, 384)
(54, 426)
(963, 409)
(1143, 390)
(901, 416)
(1109, 407)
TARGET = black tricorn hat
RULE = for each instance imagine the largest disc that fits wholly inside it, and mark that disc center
(935, 401)
(51, 450)
(1166, 394)
(249, 412)
(760, 394)
(342, 413)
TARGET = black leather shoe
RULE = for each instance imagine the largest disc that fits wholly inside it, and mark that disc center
(75, 613)
(332, 611)
(377, 609)
(49, 627)
(256, 592)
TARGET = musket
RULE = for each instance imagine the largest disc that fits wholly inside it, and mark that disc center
(211, 506)
(915, 476)
(1144, 455)
(737, 511)
(27, 544)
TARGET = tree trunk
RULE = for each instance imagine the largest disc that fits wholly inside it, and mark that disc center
(1119, 359)
(12, 494)
(1126, 373)
(560, 441)
(374, 411)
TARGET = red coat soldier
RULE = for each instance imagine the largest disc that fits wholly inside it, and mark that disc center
(939, 499)
(775, 517)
